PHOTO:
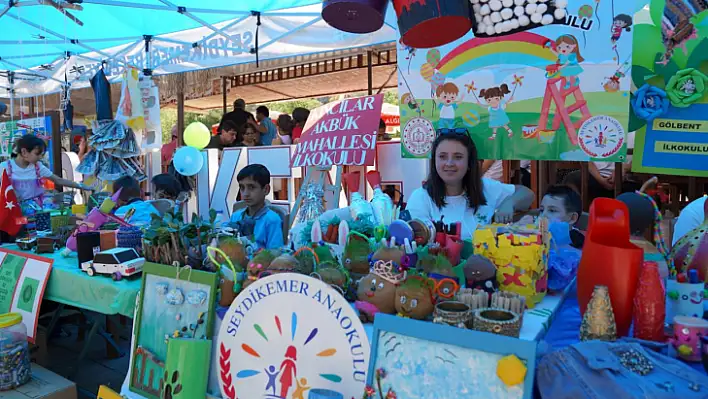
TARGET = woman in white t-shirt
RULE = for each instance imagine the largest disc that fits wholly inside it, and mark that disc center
(456, 192)
(27, 173)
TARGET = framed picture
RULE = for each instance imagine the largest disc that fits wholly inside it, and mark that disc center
(174, 303)
(423, 360)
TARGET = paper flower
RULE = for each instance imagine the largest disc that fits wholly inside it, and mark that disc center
(686, 87)
(650, 102)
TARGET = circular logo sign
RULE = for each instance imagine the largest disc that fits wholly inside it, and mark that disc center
(601, 136)
(292, 336)
(418, 136)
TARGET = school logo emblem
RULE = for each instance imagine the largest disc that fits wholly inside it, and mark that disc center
(601, 136)
(418, 136)
(289, 336)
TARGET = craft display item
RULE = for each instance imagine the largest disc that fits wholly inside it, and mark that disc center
(520, 256)
(497, 321)
(358, 206)
(186, 368)
(423, 231)
(687, 337)
(599, 318)
(130, 237)
(510, 301)
(481, 273)
(474, 298)
(285, 263)
(505, 17)
(87, 246)
(377, 291)
(79, 209)
(43, 221)
(333, 274)
(382, 203)
(691, 251)
(452, 313)
(15, 368)
(649, 305)
(230, 279)
(388, 251)
(46, 245)
(356, 253)
(109, 239)
(260, 263)
(355, 16)
(684, 299)
(414, 298)
(427, 24)
(312, 196)
(26, 243)
(59, 221)
(232, 248)
(117, 262)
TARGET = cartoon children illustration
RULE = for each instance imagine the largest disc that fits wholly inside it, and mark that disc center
(449, 96)
(289, 371)
(496, 105)
(299, 392)
(569, 58)
(620, 23)
(272, 376)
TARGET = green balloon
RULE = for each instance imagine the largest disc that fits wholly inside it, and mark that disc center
(197, 135)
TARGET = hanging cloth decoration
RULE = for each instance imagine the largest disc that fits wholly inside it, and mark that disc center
(102, 94)
(130, 109)
(66, 106)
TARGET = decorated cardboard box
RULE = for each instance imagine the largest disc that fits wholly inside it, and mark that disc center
(521, 256)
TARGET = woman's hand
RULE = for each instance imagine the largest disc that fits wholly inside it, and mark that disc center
(505, 212)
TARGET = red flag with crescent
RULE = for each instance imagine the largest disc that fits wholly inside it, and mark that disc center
(10, 212)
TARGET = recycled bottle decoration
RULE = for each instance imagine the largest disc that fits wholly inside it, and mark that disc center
(355, 16)
(609, 259)
(358, 206)
(599, 319)
(691, 251)
(432, 23)
(382, 203)
(649, 304)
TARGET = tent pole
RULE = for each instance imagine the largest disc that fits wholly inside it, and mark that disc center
(180, 109)
(223, 90)
(11, 81)
(370, 71)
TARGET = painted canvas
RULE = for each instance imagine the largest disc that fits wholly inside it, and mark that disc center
(552, 91)
(421, 360)
(669, 79)
(175, 304)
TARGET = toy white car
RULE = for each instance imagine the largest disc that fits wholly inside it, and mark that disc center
(118, 262)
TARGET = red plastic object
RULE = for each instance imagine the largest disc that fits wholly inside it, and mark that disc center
(352, 180)
(432, 23)
(649, 304)
(454, 249)
(374, 178)
(610, 259)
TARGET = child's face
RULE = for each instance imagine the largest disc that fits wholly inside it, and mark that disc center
(252, 193)
(250, 136)
(554, 209)
(494, 101)
(566, 48)
(448, 98)
(32, 156)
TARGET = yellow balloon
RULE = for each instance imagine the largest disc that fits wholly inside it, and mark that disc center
(197, 135)
(426, 71)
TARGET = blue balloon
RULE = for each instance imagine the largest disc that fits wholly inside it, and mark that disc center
(188, 161)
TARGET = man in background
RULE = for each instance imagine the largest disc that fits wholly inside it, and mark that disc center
(239, 116)
(265, 125)
(226, 136)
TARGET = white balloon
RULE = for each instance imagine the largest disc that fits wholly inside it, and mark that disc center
(559, 13)
(561, 3)
(476, 8)
(547, 19)
(495, 5)
(485, 10)
(481, 27)
(530, 9)
(506, 26)
(496, 17)
(519, 11)
(536, 18)
(519, 2)
(507, 13)
(541, 8)
(487, 20)
(498, 28)
(531, 1)
(524, 20)
(514, 24)
(490, 30)
(507, 3)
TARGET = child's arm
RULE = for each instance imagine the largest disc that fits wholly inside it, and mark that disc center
(274, 231)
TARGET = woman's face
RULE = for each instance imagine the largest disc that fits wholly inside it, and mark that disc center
(250, 136)
(451, 161)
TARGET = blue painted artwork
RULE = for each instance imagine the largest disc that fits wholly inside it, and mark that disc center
(416, 369)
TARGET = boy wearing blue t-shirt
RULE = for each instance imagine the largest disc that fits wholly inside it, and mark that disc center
(131, 198)
(257, 220)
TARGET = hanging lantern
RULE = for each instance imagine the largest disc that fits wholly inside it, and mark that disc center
(355, 16)
(432, 23)
(691, 251)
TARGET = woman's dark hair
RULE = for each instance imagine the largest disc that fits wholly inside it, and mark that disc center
(300, 116)
(472, 181)
(500, 91)
(28, 142)
(168, 184)
(286, 124)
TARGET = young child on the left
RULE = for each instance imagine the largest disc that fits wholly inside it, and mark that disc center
(27, 172)
(257, 220)
(131, 198)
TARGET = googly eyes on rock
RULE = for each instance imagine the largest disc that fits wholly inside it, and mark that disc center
(503, 17)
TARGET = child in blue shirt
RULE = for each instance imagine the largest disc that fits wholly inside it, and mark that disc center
(257, 221)
(131, 198)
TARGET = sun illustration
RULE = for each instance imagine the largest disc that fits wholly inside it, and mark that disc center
(248, 349)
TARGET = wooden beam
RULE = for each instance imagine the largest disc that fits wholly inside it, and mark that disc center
(370, 72)
(180, 110)
(584, 190)
(223, 93)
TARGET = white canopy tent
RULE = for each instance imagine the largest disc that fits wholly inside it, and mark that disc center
(43, 50)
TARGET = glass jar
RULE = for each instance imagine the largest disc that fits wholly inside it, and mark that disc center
(15, 368)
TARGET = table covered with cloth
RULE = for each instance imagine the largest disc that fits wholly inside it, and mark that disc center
(69, 285)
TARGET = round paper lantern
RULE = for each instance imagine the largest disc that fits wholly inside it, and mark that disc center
(188, 161)
(197, 135)
(427, 24)
(355, 16)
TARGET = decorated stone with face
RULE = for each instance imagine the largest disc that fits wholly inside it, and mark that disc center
(356, 255)
(257, 265)
(481, 273)
(388, 252)
(377, 291)
(284, 263)
(333, 274)
(414, 298)
(234, 249)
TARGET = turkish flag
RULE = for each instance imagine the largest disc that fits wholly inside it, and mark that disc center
(10, 213)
